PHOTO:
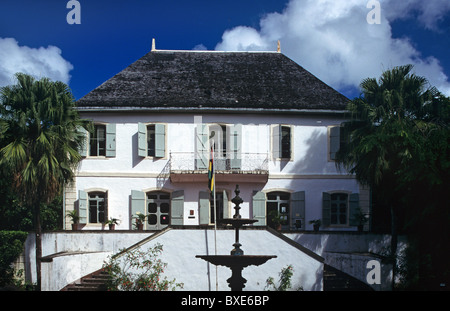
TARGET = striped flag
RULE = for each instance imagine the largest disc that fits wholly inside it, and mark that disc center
(211, 172)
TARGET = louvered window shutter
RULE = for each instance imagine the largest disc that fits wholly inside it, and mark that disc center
(177, 204)
(82, 206)
(202, 154)
(110, 140)
(204, 207)
(226, 213)
(334, 141)
(259, 208)
(142, 140)
(276, 142)
(235, 145)
(160, 140)
(137, 203)
(82, 149)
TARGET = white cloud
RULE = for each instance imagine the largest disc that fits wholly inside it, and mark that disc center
(38, 62)
(333, 40)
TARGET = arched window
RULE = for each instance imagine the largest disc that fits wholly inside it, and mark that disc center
(339, 209)
(278, 209)
(98, 211)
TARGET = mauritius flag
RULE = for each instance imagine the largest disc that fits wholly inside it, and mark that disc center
(211, 172)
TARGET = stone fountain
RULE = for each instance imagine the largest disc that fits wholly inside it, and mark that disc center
(236, 261)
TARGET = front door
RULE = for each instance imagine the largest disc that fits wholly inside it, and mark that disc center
(158, 210)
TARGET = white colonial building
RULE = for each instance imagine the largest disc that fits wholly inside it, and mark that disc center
(274, 129)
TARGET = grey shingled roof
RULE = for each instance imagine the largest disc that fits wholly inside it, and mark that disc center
(214, 80)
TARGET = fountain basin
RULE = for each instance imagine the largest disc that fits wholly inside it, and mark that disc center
(231, 261)
(236, 263)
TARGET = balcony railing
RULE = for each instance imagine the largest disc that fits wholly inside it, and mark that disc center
(239, 163)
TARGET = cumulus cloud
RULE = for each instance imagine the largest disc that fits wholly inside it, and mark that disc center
(333, 40)
(38, 62)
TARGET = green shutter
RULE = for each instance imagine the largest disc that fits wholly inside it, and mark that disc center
(298, 208)
(82, 206)
(276, 141)
(354, 208)
(142, 139)
(235, 145)
(204, 207)
(259, 208)
(82, 149)
(137, 203)
(201, 141)
(160, 140)
(226, 213)
(326, 209)
(177, 211)
(334, 141)
(111, 140)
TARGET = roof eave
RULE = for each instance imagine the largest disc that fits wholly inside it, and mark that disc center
(216, 110)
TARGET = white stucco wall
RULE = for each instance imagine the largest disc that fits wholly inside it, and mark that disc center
(309, 170)
(76, 254)
(181, 246)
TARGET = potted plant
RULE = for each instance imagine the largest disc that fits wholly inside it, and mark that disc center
(139, 221)
(361, 219)
(73, 215)
(275, 219)
(112, 222)
(316, 224)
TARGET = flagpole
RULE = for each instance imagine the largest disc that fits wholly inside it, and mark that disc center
(215, 219)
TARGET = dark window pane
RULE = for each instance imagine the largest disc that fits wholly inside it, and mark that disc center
(284, 196)
(164, 207)
(152, 219)
(152, 207)
(164, 219)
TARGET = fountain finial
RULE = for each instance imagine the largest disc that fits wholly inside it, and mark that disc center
(237, 200)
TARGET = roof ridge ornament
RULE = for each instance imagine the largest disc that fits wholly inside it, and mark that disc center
(153, 45)
(278, 47)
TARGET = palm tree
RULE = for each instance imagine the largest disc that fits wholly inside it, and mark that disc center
(383, 135)
(39, 142)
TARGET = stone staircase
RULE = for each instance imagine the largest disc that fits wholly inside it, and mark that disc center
(333, 280)
(336, 280)
(96, 281)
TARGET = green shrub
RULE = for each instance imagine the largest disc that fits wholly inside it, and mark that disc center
(11, 246)
(137, 270)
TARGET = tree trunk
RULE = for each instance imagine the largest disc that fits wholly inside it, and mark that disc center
(37, 225)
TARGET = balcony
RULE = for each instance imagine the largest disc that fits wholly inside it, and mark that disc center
(229, 167)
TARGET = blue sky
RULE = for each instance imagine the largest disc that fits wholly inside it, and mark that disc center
(330, 38)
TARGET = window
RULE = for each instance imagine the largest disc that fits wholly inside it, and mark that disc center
(278, 207)
(97, 207)
(339, 138)
(151, 140)
(339, 209)
(282, 142)
(158, 210)
(100, 142)
(206, 206)
(286, 142)
(97, 141)
(218, 141)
